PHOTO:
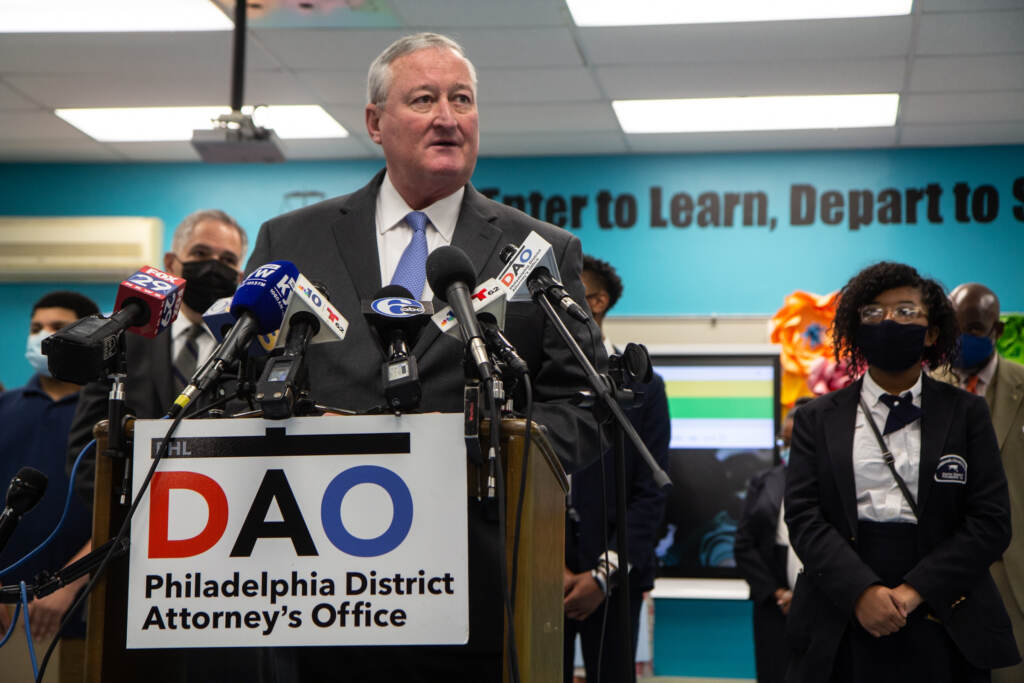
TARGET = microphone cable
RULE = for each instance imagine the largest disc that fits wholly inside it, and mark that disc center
(117, 541)
(64, 515)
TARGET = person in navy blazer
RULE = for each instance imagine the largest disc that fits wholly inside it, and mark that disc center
(887, 593)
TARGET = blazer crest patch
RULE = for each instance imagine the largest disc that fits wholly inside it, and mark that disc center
(952, 469)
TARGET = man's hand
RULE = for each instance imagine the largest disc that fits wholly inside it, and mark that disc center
(907, 598)
(582, 595)
(878, 611)
(46, 613)
(783, 597)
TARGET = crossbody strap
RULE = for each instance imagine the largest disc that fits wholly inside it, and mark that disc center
(889, 459)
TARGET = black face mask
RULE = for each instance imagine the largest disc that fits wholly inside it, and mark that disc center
(207, 281)
(891, 346)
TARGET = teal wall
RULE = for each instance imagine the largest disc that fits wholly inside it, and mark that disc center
(625, 214)
(703, 638)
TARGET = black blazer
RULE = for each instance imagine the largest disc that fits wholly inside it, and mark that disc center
(645, 505)
(759, 559)
(962, 528)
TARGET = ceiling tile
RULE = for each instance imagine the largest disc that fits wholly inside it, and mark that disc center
(11, 99)
(746, 78)
(995, 72)
(526, 47)
(56, 150)
(547, 118)
(336, 87)
(326, 48)
(974, 33)
(18, 124)
(762, 140)
(752, 42)
(553, 84)
(551, 144)
(968, 5)
(482, 13)
(344, 148)
(83, 53)
(941, 135)
(975, 107)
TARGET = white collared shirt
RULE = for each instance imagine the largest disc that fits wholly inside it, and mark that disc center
(879, 498)
(394, 235)
(204, 342)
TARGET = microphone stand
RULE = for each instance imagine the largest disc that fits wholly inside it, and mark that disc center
(607, 404)
(116, 413)
(47, 583)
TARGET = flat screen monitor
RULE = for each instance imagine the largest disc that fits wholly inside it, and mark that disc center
(724, 425)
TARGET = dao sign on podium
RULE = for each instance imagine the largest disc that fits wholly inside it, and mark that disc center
(310, 531)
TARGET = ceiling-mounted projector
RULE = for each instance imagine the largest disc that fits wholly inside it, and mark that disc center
(235, 139)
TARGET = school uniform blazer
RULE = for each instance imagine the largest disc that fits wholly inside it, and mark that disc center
(963, 527)
(759, 559)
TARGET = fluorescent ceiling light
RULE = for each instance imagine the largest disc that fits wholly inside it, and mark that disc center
(155, 124)
(757, 113)
(110, 16)
(658, 12)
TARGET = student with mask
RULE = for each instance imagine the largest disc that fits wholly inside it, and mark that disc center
(896, 503)
(34, 424)
(766, 560)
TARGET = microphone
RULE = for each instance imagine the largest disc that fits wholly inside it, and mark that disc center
(284, 376)
(26, 489)
(540, 282)
(501, 346)
(451, 276)
(258, 305)
(147, 303)
(218, 320)
(398, 319)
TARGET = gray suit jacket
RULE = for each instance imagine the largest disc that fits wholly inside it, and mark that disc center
(1006, 401)
(334, 242)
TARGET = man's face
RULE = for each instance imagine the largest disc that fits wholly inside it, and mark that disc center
(211, 239)
(51, 320)
(428, 124)
(978, 316)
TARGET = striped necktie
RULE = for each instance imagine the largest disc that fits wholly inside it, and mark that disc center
(187, 358)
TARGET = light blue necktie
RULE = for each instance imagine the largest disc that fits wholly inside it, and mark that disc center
(411, 272)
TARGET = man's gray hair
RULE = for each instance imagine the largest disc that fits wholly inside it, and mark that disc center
(378, 80)
(183, 233)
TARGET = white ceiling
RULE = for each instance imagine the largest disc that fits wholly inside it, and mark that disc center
(545, 85)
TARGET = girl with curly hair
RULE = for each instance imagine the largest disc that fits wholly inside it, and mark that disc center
(896, 502)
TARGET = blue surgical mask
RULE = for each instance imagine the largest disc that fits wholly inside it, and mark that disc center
(34, 353)
(974, 351)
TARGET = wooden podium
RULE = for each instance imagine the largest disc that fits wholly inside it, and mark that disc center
(537, 612)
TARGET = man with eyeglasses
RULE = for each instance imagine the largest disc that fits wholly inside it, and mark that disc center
(207, 250)
(981, 371)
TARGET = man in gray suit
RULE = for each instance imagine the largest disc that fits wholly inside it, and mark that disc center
(422, 111)
(980, 370)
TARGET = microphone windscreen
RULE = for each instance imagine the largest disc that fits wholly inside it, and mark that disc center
(487, 318)
(447, 265)
(158, 292)
(26, 489)
(264, 294)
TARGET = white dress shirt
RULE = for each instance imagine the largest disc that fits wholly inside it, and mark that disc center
(394, 235)
(879, 498)
(793, 564)
(204, 342)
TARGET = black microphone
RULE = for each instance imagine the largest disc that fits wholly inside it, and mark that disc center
(452, 277)
(501, 346)
(540, 282)
(397, 318)
(26, 489)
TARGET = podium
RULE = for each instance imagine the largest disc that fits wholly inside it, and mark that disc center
(537, 610)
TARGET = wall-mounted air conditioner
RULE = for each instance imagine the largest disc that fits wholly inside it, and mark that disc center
(78, 248)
